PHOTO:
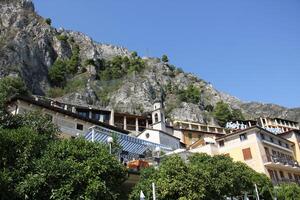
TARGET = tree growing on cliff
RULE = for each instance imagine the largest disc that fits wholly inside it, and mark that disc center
(11, 87)
(165, 58)
(224, 114)
(189, 95)
(57, 73)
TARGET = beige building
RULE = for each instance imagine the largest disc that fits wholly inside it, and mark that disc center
(293, 136)
(277, 125)
(261, 150)
(71, 124)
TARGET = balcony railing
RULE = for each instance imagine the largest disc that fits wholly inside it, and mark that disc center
(281, 160)
(285, 180)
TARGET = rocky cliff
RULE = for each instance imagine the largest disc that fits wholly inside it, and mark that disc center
(29, 46)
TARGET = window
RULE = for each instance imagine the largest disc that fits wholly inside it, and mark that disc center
(287, 146)
(83, 114)
(155, 118)
(80, 127)
(279, 142)
(243, 137)
(271, 139)
(262, 136)
(221, 143)
(247, 154)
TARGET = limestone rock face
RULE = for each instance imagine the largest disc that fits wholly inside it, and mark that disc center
(29, 47)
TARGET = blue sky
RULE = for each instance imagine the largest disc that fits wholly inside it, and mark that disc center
(247, 48)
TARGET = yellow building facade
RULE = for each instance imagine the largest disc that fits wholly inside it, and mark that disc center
(264, 152)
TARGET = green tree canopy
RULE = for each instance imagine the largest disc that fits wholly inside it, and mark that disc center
(48, 21)
(203, 177)
(74, 169)
(11, 87)
(74, 62)
(173, 180)
(23, 138)
(119, 66)
(287, 192)
(57, 73)
(189, 95)
(224, 114)
(165, 58)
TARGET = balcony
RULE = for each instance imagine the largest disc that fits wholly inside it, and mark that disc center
(281, 163)
(285, 180)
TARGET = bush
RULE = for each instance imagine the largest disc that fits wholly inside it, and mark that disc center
(57, 73)
(48, 21)
(74, 62)
(165, 58)
(55, 92)
(190, 95)
(120, 66)
(89, 62)
(62, 38)
(224, 114)
(287, 191)
(11, 87)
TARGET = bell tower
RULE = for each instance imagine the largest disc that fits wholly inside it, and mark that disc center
(158, 116)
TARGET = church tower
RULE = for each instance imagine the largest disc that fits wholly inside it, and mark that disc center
(158, 116)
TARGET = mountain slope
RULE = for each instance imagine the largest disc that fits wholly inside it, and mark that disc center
(29, 46)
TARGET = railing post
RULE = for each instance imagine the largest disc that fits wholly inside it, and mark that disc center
(93, 134)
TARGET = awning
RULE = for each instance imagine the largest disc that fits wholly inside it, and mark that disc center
(128, 143)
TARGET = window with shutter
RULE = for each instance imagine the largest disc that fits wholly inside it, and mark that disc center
(247, 154)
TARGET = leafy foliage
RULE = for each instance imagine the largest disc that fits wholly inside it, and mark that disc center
(55, 92)
(36, 165)
(57, 73)
(89, 62)
(203, 177)
(61, 69)
(190, 95)
(22, 139)
(48, 21)
(174, 180)
(74, 169)
(165, 58)
(62, 38)
(74, 62)
(119, 66)
(11, 87)
(223, 113)
(288, 191)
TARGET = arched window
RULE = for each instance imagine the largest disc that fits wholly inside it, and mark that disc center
(155, 118)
